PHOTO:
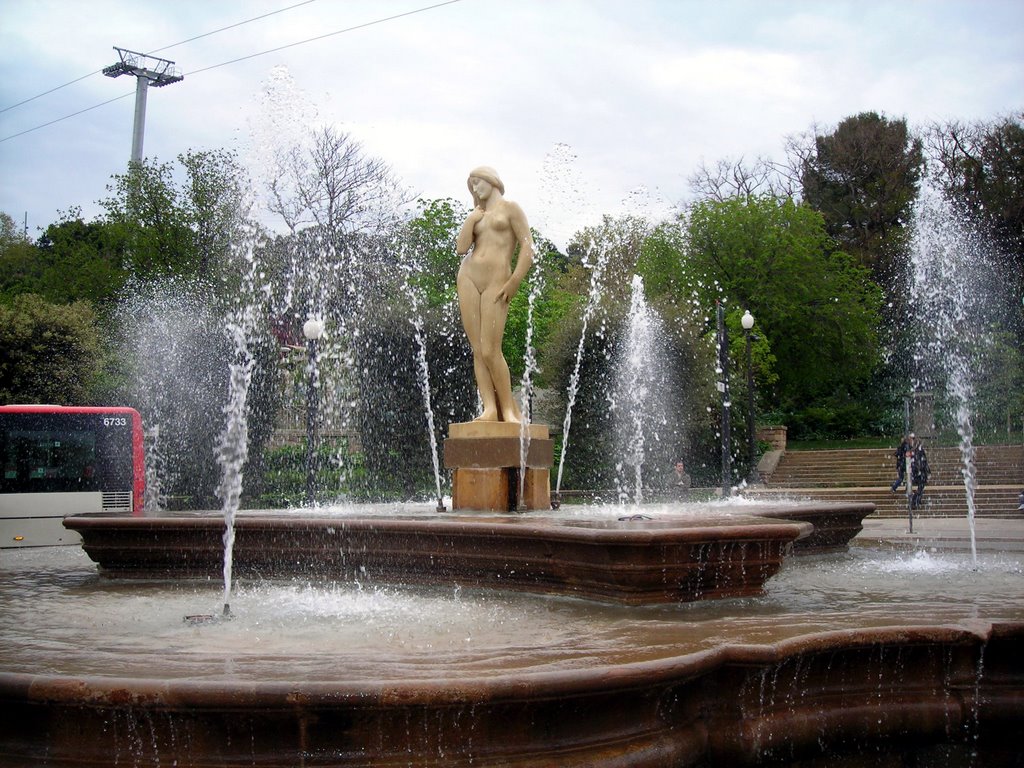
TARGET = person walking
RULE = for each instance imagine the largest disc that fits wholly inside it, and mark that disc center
(919, 473)
(906, 444)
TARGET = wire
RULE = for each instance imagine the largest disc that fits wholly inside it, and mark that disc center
(230, 26)
(155, 50)
(73, 114)
(321, 37)
(232, 61)
(44, 93)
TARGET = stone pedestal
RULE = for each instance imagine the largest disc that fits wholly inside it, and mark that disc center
(486, 459)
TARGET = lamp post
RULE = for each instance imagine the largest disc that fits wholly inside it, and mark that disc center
(312, 329)
(747, 321)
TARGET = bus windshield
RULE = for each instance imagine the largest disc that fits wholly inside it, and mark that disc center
(46, 453)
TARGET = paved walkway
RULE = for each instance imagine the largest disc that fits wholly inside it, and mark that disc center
(992, 534)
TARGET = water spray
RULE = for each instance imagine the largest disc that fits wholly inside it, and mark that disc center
(423, 372)
(593, 299)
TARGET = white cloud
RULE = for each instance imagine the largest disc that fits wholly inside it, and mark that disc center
(730, 72)
(640, 92)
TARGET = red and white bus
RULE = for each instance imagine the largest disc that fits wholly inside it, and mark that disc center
(61, 460)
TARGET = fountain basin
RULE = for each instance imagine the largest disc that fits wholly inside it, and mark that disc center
(896, 657)
(631, 561)
(832, 693)
(835, 524)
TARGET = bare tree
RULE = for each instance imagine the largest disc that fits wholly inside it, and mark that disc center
(331, 183)
(952, 149)
(728, 179)
(981, 164)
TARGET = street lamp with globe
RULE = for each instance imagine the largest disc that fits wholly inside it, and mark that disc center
(747, 321)
(312, 329)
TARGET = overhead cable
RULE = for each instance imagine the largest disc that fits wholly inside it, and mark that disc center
(234, 61)
(155, 50)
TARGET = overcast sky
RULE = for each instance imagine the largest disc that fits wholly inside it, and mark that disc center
(584, 106)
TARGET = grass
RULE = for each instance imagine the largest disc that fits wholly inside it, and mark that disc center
(834, 445)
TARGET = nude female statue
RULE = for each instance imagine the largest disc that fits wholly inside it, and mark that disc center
(486, 285)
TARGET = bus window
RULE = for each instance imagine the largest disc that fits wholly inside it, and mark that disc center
(64, 452)
(55, 460)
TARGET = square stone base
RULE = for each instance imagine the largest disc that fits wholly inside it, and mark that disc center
(497, 489)
(486, 457)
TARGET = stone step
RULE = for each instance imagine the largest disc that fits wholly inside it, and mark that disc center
(890, 466)
(997, 453)
(865, 478)
(994, 465)
(948, 500)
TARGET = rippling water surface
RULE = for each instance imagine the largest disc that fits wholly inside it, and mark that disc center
(57, 615)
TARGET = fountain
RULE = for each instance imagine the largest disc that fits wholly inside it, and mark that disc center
(951, 291)
(635, 398)
(398, 635)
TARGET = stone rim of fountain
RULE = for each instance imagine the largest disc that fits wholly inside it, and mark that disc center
(732, 704)
(669, 559)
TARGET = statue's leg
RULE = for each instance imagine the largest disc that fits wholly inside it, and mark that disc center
(493, 315)
(470, 302)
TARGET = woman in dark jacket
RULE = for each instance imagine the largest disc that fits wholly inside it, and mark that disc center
(918, 474)
(901, 460)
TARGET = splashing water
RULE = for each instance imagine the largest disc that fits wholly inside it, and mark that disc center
(948, 291)
(424, 379)
(561, 180)
(529, 369)
(593, 298)
(635, 390)
(175, 338)
(233, 444)
(423, 372)
(156, 470)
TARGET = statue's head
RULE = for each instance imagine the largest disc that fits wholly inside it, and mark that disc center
(489, 175)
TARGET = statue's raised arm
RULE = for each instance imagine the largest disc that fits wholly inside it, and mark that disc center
(486, 284)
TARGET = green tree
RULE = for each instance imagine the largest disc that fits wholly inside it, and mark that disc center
(551, 305)
(216, 195)
(21, 268)
(172, 229)
(431, 237)
(618, 243)
(863, 178)
(81, 260)
(72, 260)
(50, 352)
(660, 262)
(10, 232)
(815, 306)
(147, 213)
(999, 397)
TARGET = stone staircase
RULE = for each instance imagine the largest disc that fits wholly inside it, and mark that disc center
(867, 474)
